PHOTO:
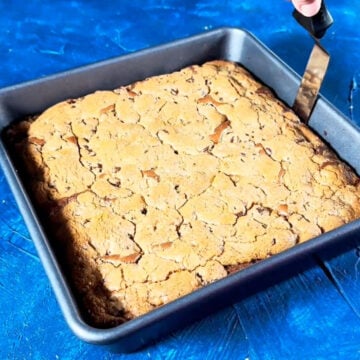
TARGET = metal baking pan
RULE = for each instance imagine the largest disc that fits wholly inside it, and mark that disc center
(232, 44)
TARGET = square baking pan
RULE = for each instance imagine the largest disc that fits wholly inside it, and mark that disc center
(232, 44)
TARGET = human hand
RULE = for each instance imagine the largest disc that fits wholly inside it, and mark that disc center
(307, 7)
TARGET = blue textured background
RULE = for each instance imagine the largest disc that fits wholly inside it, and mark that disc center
(314, 315)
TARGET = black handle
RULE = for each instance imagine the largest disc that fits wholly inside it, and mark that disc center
(317, 24)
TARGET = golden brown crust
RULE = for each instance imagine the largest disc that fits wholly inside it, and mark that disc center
(159, 188)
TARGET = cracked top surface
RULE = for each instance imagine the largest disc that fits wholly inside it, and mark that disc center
(158, 188)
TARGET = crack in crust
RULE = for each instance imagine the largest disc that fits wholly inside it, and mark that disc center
(164, 186)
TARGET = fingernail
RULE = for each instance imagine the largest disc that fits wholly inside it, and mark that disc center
(308, 9)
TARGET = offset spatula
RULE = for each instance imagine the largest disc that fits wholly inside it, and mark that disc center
(317, 64)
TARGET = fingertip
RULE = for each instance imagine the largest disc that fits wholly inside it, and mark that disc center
(310, 8)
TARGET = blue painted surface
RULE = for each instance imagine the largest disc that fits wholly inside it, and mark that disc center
(314, 315)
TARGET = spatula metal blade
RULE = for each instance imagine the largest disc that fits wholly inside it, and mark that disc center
(311, 82)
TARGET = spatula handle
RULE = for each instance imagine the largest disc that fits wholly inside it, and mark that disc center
(317, 24)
